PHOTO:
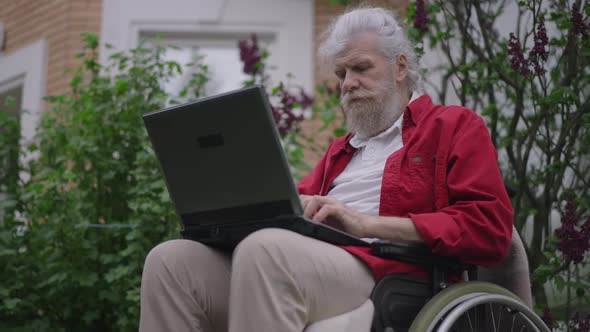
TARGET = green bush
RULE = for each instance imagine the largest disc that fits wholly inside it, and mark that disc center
(95, 203)
(83, 211)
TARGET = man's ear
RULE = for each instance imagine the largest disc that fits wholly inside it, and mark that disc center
(401, 68)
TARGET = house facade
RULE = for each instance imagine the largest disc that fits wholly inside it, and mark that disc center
(39, 38)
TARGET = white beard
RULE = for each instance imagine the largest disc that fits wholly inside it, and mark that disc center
(379, 111)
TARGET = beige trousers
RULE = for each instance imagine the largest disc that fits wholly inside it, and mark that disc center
(276, 280)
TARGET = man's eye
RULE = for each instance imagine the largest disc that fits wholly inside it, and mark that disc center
(340, 73)
(361, 68)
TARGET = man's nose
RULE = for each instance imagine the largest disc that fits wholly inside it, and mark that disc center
(350, 83)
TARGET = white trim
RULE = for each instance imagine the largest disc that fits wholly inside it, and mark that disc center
(10, 84)
(27, 66)
(2, 34)
(289, 23)
(178, 33)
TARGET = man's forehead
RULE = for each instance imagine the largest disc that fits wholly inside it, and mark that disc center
(362, 46)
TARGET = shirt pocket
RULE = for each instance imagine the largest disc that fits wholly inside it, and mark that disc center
(421, 181)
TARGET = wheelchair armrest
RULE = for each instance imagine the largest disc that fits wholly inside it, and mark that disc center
(417, 253)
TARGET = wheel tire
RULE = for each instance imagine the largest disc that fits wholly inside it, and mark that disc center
(442, 300)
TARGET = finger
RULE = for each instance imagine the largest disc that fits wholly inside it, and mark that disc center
(326, 199)
(304, 199)
(313, 205)
(329, 217)
(324, 214)
(304, 204)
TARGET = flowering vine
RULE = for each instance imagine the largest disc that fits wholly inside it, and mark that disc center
(539, 53)
(250, 55)
(547, 318)
(288, 113)
(579, 26)
(420, 16)
(572, 242)
(517, 60)
(579, 323)
(288, 108)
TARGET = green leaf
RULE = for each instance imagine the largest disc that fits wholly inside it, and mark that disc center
(76, 80)
(121, 86)
(339, 2)
(411, 12)
(489, 110)
(559, 282)
(338, 132)
(11, 304)
(7, 252)
(276, 90)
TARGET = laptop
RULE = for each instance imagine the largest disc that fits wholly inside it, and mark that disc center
(226, 171)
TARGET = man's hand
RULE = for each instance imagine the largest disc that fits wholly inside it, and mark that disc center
(330, 211)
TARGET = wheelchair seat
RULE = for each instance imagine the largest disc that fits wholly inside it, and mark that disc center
(500, 292)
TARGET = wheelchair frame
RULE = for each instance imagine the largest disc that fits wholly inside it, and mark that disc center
(436, 306)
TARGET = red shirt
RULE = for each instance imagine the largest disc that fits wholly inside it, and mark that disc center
(445, 178)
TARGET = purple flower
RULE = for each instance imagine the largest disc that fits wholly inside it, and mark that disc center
(586, 227)
(578, 25)
(420, 16)
(250, 55)
(305, 100)
(539, 53)
(517, 60)
(286, 115)
(573, 243)
(579, 324)
(285, 112)
(547, 318)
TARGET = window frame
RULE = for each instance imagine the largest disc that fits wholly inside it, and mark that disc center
(27, 67)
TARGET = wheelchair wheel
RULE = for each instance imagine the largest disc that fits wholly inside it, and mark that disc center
(476, 306)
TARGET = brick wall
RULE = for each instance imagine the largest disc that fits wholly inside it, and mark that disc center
(60, 22)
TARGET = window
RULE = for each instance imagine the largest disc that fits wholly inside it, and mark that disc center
(219, 51)
(23, 77)
(10, 105)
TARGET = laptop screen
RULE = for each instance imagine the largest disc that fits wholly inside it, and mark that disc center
(222, 158)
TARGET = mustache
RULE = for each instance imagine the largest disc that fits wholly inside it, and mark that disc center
(357, 94)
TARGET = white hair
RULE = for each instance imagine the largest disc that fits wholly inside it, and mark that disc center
(381, 21)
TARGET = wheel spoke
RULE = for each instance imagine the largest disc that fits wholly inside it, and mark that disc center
(469, 320)
(493, 318)
(500, 320)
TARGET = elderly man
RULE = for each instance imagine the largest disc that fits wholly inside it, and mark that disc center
(408, 170)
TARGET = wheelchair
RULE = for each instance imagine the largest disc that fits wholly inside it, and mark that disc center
(492, 299)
